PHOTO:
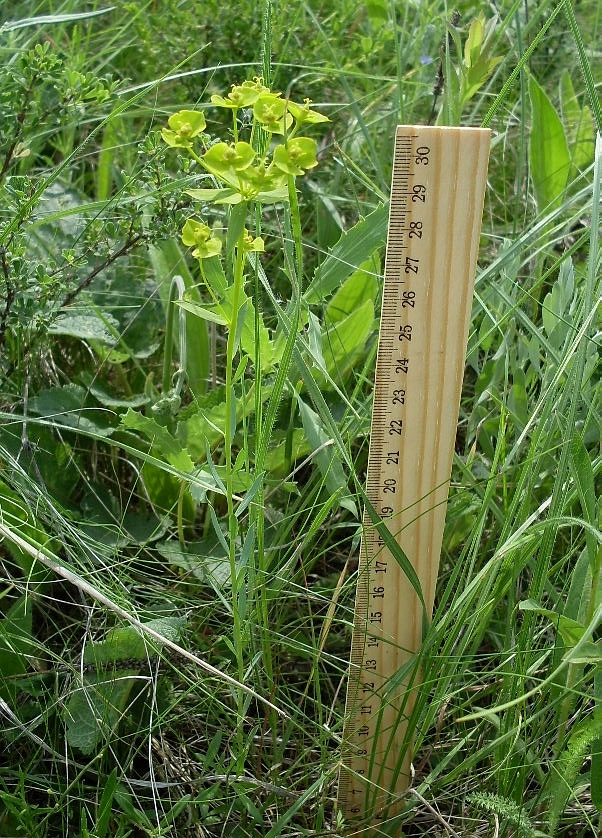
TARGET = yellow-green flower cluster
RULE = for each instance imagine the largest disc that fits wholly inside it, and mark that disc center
(242, 172)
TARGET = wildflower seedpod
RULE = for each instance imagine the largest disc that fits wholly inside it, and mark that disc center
(296, 156)
(198, 235)
(184, 126)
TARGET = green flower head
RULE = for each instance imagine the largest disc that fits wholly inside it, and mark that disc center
(184, 126)
(270, 111)
(242, 95)
(223, 158)
(198, 235)
(252, 245)
(303, 114)
(296, 156)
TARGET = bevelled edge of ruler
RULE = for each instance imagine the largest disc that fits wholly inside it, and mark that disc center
(456, 264)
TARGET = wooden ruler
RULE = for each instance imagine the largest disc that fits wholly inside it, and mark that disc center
(437, 194)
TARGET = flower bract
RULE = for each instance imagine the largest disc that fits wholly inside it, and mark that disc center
(242, 95)
(303, 113)
(184, 126)
(198, 235)
(270, 111)
(296, 156)
(252, 245)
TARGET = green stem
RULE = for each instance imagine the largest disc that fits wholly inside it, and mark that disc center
(229, 430)
(168, 343)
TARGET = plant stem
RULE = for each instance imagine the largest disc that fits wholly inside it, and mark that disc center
(229, 429)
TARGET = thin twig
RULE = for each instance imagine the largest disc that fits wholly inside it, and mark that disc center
(434, 813)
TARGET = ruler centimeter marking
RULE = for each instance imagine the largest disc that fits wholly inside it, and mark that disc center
(437, 195)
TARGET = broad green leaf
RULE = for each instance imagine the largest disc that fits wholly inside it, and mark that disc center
(378, 11)
(107, 398)
(67, 406)
(94, 710)
(214, 276)
(558, 304)
(344, 341)
(17, 644)
(596, 769)
(570, 630)
(212, 480)
(362, 285)
(206, 559)
(589, 654)
(165, 492)
(167, 260)
(583, 474)
(282, 454)
(105, 807)
(348, 254)
(314, 339)
(246, 328)
(584, 478)
(477, 65)
(518, 402)
(202, 428)
(87, 327)
(17, 515)
(578, 125)
(580, 591)
(163, 442)
(106, 160)
(548, 151)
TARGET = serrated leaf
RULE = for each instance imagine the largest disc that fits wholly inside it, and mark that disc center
(348, 254)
